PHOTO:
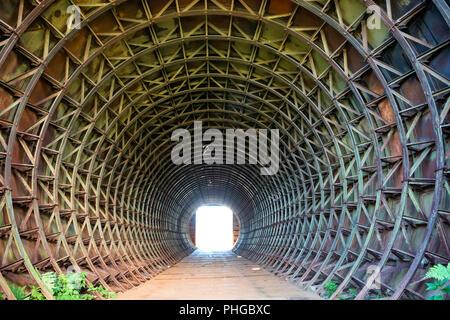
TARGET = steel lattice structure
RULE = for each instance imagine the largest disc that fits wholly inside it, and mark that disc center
(86, 117)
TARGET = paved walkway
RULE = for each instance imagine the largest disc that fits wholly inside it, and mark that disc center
(215, 276)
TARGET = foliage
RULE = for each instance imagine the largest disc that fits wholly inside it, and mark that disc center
(102, 291)
(330, 288)
(441, 274)
(74, 281)
(382, 296)
(69, 294)
(19, 292)
(36, 293)
(70, 281)
(66, 286)
(50, 280)
(351, 295)
(70, 286)
(352, 292)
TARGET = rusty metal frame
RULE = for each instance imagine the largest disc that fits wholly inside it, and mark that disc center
(87, 114)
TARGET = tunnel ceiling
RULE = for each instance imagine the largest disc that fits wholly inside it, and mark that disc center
(86, 116)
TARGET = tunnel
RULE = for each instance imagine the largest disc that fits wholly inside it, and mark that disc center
(91, 92)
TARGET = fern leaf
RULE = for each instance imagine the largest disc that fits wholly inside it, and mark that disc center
(49, 280)
(439, 272)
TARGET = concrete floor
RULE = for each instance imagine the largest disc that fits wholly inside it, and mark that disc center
(216, 276)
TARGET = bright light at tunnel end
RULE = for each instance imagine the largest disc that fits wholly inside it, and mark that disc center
(214, 228)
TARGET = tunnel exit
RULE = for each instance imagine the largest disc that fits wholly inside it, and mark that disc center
(214, 228)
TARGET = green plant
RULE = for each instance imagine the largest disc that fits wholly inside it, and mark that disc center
(69, 294)
(70, 286)
(351, 295)
(36, 293)
(1, 296)
(381, 296)
(330, 288)
(50, 280)
(352, 292)
(19, 292)
(441, 274)
(102, 291)
(74, 281)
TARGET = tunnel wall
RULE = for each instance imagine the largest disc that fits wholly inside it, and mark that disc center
(360, 101)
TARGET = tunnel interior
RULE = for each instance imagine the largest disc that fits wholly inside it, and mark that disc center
(358, 91)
